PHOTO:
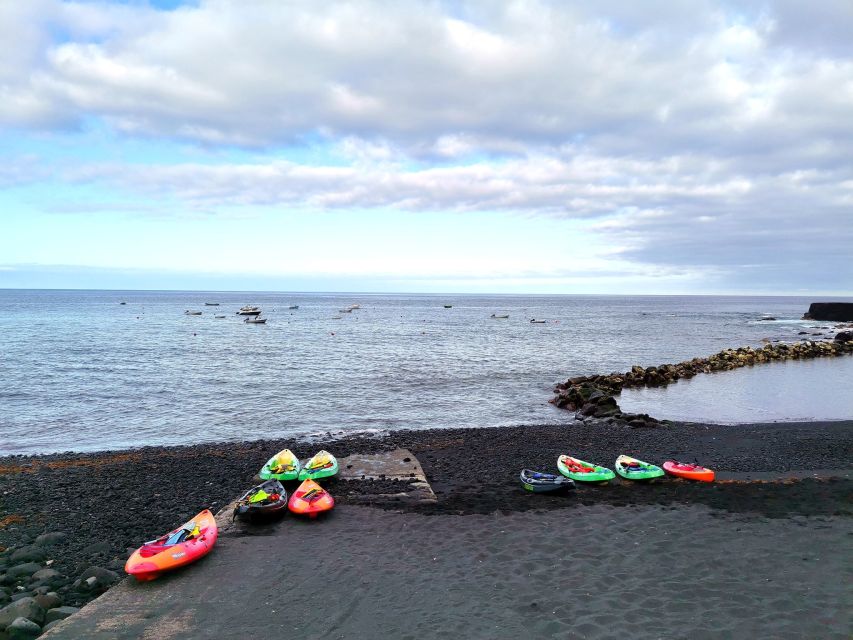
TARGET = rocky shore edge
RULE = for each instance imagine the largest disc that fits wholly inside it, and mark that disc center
(595, 396)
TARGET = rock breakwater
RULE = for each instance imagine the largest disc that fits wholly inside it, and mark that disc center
(594, 396)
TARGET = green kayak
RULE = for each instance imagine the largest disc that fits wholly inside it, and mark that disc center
(633, 469)
(581, 471)
(282, 466)
(322, 465)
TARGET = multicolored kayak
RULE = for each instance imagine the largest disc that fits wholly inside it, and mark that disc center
(282, 466)
(689, 471)
(581, 471)
(633, 469)
(322, 465)
(310, 499)
(184, 545)
(539, 482)
(264, 501)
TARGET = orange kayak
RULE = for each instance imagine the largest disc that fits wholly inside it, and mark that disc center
(184, 545)
(689, 471)
(310, 499)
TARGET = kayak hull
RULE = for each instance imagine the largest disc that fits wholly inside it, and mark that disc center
(538, 482)
(688, 471)
(155, 558)
(282, 466)
(322, 465)
(268, 509)
(633, 469)
(310, 499)
(581, 471)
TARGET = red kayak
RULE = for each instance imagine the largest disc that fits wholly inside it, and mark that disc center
(688, 471)
(310, 499)
(186, 544)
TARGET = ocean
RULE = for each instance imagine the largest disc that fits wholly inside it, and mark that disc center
(80, 371)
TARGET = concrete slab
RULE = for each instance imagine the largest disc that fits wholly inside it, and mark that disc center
(399, 464)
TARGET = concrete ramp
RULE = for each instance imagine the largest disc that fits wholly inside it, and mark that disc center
(399, 464)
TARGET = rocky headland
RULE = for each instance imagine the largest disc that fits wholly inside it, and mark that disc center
(831, 311)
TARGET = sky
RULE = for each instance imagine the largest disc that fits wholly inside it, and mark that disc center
(698, 147)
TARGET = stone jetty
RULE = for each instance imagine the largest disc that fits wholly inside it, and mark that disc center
(594, 396)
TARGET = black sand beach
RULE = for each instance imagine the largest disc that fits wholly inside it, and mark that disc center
(783, 496)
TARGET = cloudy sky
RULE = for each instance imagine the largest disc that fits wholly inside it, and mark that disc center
(585, 147)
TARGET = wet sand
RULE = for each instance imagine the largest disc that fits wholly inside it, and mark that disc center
(587, 572)
(773, 557)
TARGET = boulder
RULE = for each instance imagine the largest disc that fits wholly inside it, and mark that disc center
(834, 311)
(23, 608)
(28, 554)
(103, 576)
(60, 613)
(844, 336)
(22, 570)
(49, 601)
(23, 629)
(50, 539)
(46, 574)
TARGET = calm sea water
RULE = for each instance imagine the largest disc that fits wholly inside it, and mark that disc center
(80, 371)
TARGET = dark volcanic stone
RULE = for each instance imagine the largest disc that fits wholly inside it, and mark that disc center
(49, 600)
(836, 311)
(60, 613)
(23, 629)
(844, 336)
(25, 569)
(28, 554)
(24, 608)
(50, 539)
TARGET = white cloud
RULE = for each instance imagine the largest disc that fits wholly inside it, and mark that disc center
(714, 132)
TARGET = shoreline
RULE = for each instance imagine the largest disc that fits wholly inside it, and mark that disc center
(105, 504)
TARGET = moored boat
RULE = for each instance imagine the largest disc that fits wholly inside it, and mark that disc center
(249, 311)
(255, 320)
(192, 313)
(501, 317)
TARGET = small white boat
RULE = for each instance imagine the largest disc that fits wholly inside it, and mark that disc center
(192, 313)
(255, 320)
(354, 306)
(345, 310)
(497, 317)
(336, 318)
(249, 311)
(211, 304)
(535, 321)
